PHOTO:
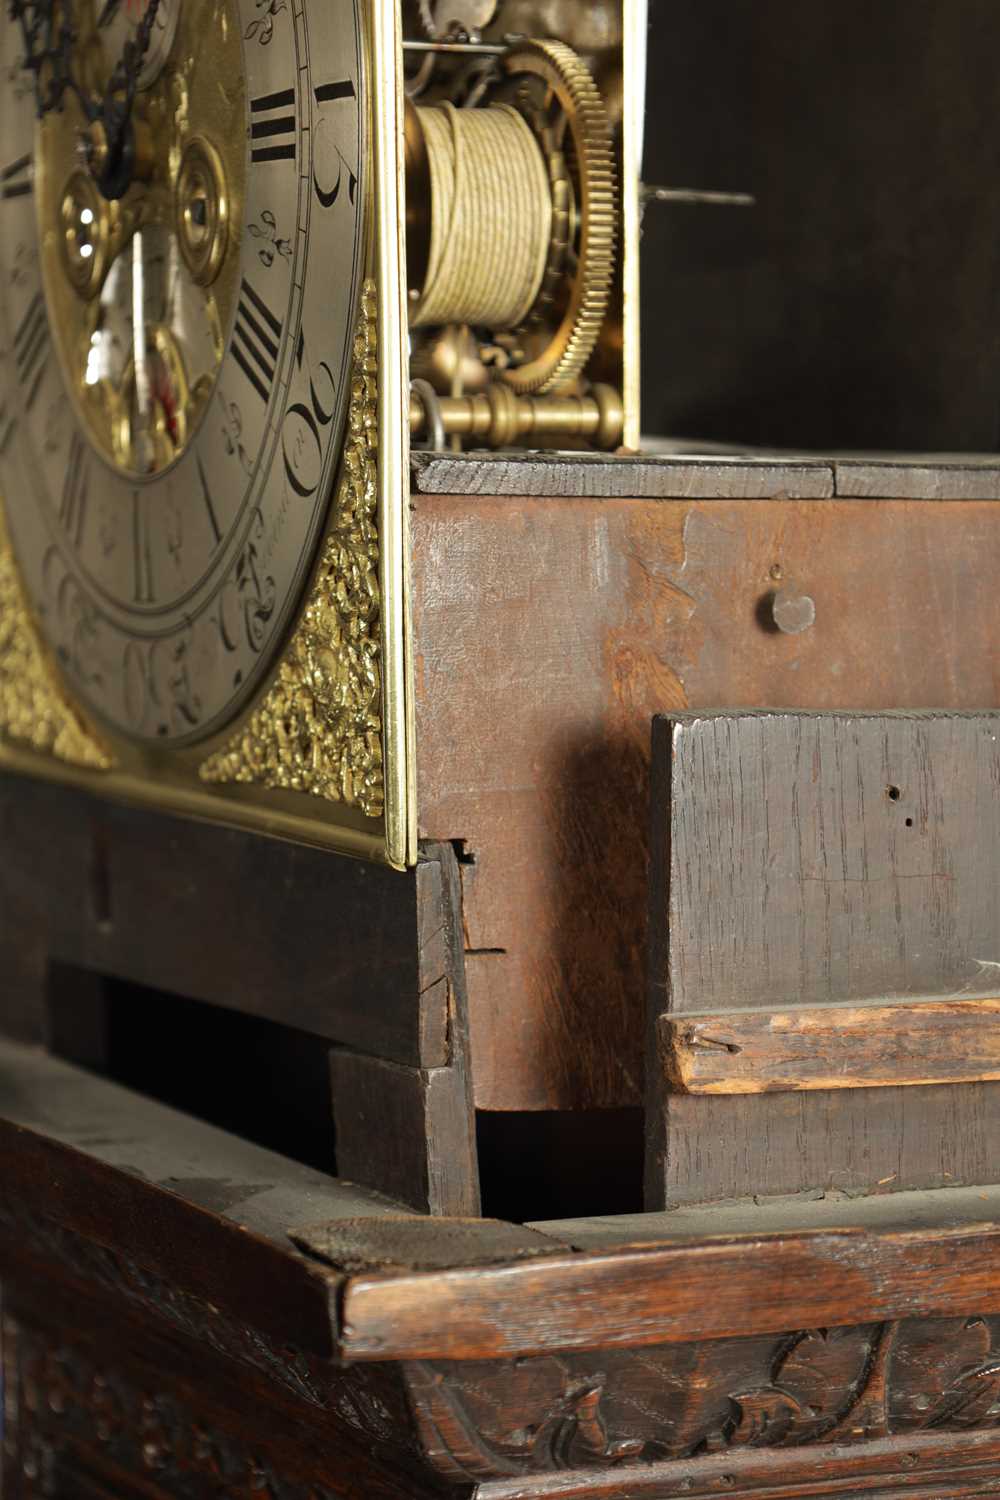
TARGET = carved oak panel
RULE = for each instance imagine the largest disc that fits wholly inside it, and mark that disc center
(641, 1406)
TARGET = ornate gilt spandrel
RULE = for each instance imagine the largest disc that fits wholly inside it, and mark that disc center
(34, 711)
(319, 727)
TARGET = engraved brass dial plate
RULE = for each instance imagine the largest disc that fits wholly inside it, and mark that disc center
(177, 361)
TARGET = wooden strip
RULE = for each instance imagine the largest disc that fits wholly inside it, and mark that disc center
(832, 1047)
(883, 1213)
(918, 479)
(612, 476)
(916, 1466)
(674, 1294)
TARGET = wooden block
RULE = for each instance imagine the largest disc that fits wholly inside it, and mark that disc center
(803, 860)
(407, 1132)
(410, 1132)
(833, 1047)
(820, 858)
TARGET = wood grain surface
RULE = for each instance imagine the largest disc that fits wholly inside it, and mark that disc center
(928, 479)
(922, 1468)
(824, 858)
(672, 1294)
(163, 1334)
(812, 859)
(179, 1220)
(106, 1396)
(712, 475)
(87, 1164)
(409, 1132)
(101, 1404)
(608, 475)
(330, 945)
(342, 951)
(832, 1047)
(547, 636)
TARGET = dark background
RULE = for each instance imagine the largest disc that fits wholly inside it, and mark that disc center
(857, 305)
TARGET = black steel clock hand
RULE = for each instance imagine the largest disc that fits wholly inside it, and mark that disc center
(49, 40)
(115, 169)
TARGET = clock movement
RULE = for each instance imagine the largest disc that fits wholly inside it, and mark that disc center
(252, 249)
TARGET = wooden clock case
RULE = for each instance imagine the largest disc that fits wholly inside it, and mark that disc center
(322, 1179)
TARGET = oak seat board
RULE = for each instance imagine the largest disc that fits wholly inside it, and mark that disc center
(213, 1215)
(710, 476)
(862, 1045)
(833, 858)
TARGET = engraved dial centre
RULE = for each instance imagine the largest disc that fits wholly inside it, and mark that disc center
(140, 270)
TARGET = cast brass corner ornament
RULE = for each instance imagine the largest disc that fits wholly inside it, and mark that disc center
(319, 727)
(34, 710)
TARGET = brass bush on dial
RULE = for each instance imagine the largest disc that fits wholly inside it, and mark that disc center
(202, 210)
(85, 234)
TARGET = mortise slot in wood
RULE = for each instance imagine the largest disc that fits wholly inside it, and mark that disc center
(872, 1045)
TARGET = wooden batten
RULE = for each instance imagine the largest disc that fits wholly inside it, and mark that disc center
(833, 1047)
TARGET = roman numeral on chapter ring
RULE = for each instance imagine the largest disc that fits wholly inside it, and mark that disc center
(273, 127)
(142, 551)
(256, 339)
(73, 504)
(329, 91)
(206, 495)
(31, 345)
(16, 180)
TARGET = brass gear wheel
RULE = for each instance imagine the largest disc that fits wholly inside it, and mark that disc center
(582, 262)
(470, 15)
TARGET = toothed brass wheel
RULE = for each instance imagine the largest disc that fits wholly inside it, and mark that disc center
(552, 88)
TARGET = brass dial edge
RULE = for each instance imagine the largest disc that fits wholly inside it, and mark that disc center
(318, 729)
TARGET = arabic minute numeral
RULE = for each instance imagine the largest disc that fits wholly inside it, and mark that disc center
(31, 348)
(331, 93)
(256, 340)
(8, 425)
(301, 443)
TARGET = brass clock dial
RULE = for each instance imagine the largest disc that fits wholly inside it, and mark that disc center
(181, 242)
